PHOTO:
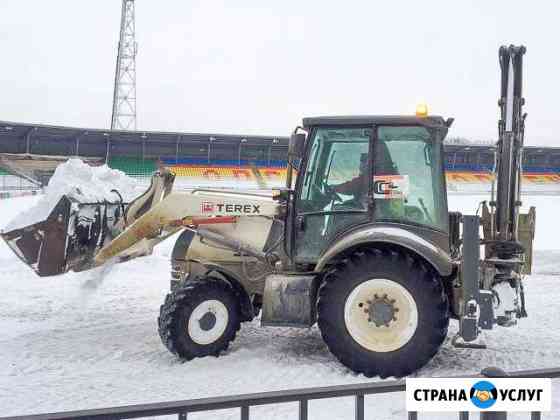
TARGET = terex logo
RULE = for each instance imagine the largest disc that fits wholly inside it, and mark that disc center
(239, 208)
(209, 207)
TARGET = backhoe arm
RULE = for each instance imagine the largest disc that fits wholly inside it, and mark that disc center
(510, 144)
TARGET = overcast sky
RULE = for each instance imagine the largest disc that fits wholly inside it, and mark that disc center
(259, 67)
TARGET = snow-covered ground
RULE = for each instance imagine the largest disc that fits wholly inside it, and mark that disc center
(74, 342)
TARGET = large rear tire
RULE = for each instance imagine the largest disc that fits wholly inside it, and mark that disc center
(199, 319)
(383, 312)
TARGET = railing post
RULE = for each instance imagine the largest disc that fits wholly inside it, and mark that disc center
(302, 409)
(493, 372)
(359, 407)
(244, 412)
(182, 416)
(536, 415)
(464, 415)
(412, 415)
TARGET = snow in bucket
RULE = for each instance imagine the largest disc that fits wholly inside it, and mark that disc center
(78, 180)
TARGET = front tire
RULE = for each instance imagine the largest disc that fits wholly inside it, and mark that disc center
(200, 318)
(383, 312)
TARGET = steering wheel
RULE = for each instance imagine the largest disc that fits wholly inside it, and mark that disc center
(328, 191)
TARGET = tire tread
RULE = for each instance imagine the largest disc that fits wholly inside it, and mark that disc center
(186, 298)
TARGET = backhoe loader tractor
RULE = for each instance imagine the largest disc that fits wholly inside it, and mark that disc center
(360, 242)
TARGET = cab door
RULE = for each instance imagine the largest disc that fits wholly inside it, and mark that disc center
(409, 159)
(334, 190)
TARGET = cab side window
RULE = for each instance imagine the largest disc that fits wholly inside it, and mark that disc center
(408, 177)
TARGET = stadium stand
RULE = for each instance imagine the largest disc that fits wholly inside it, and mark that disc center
(226, 159)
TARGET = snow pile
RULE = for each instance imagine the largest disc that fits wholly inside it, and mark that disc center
(77, 180)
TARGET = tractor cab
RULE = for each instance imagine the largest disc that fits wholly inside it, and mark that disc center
(360, 171)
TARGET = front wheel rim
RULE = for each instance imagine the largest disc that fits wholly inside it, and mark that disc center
(208, 322)
(381, 315)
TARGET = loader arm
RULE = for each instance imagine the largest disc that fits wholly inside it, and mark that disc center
(160, 187)
(185, 209)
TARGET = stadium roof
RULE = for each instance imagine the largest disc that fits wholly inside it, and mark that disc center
(22, 130)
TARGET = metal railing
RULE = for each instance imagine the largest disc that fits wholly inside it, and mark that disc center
(244, 402)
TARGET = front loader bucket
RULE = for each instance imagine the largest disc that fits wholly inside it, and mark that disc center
(75, 230)
(68, 238)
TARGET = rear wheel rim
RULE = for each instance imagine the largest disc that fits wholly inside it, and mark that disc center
(381, 315)
(208, 322)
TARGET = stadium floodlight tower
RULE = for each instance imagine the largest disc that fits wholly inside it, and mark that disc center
(124, 94)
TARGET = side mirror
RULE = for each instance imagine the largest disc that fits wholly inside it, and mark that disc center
(296, 147)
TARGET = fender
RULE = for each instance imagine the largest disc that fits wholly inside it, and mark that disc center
(246, 306)
(437, 257)
(182, 244)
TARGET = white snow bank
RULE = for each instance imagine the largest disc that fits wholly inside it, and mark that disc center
(78, 180)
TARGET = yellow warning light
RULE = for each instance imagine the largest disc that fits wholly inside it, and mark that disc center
(421, 110)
